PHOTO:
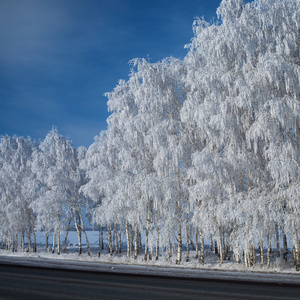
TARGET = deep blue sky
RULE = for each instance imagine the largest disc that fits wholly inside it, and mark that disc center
(58, 57)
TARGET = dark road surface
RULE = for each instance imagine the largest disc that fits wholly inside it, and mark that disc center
(40, 283)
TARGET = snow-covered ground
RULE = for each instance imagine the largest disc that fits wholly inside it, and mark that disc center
(280, 271)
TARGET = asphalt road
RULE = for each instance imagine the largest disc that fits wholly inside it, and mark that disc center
(17, 282)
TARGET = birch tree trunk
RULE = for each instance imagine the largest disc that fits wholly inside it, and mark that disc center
(246, 257)
(54, 238)
(224, 242)
(269, 250)
(66, 237)
(220, 246)
(33, 234)
(47, 242)
(179, 243)
(146, 237)
(131, 237)
(228, 248)
(169, 249)
(211, 243)
(120, 241)
(261, 246)
(277, 240)
(87, 241)
(78, 230)
(179, 236)
(136, 242)
(22, 241)
(58, 241)
(196, 239)
(187, 243)
(28, 237)
(201, 259)
(236, 247)
(140, 241)
(34, 240)
(13, 243)
(16, 242)
(99, 237)
(285, 248)
(216, 247)
(252, 255)
(127, 238)
(157, 245)
(110, 245)
(114, 238)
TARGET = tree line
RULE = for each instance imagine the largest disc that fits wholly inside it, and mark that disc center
(204, 149)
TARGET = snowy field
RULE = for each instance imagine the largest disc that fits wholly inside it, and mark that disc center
(72, 258)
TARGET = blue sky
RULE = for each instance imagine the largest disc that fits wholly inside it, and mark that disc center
(58, 57)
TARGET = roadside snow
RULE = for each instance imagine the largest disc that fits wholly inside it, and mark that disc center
(106, 263)
(280, 271)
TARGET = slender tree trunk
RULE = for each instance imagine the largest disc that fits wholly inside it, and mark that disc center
(261, 246)
(17, 242)
(236, 247)
(120, 241)
(58, 241)
(99, 236)
(127, 238)
(179, 243)
(140, 241)
(131, 237)
(53, 244)
(101, 239)
(252, 255)
(201, 259)
(179, 236)
(87, 241)
(228, 247)
(146, 238)
(224, 242)
(246, 257)
(136, 242)
(66, 237)
(277, 240)
(82, 228)
(187, 243)
(216, 247)
(211, 243)
(12, 243)
(269, 250)
(220, 246)
(169, 250)
(115, 244)
(79, 241)
(28, 236)
(78, 230)
(47, 241)
(110, 245)
(196, 239)
(284, 241)
(285, 248)
(22, 241)
(34, 240)
(157, 245)
(33, 234)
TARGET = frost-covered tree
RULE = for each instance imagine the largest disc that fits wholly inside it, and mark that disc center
(16, 191)
(55, 166)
